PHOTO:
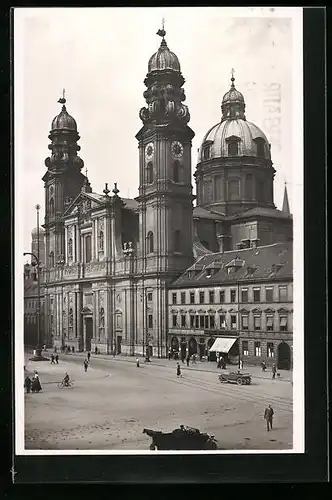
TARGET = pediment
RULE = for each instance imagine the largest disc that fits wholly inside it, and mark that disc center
(269, 310)
(83, 203)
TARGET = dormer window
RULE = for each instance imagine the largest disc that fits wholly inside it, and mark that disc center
(260, 143)
(233, 148)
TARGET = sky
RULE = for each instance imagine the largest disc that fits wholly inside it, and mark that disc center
(100, 56)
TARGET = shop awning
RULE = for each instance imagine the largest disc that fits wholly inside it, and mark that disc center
(222, 344)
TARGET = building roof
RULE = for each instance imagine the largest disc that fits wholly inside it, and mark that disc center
(260, 212)
(261, 263)
(163, 59)
(203, 213)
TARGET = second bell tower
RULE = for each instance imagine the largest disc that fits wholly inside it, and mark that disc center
(165, 189)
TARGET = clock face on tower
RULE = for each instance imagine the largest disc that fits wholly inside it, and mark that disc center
(177, 149)
(149, 150)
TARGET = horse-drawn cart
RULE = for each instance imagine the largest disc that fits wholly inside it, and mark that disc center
(184, 438)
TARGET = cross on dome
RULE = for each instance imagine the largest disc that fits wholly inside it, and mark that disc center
(162, 32)
(62, 99)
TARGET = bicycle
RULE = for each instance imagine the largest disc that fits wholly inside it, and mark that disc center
(62, 384)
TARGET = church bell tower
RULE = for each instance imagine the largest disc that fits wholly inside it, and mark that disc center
(63, 181)
(165, 189)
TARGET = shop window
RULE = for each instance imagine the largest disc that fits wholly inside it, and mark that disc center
(245, 348)
(245, 323)
(270, 350)
(244, 295)
(258, 349)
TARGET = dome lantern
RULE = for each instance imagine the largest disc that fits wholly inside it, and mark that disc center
(163, 58)
(233, 105)
(63, 121)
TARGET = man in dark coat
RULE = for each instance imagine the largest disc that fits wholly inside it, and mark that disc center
(274, 370)
(188, 359)
(57, 359)
(27, 384)
(89, 355)
(268, 415)
(52, 359)
(86, 364)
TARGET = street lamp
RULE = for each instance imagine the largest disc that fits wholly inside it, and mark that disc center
(129, 252)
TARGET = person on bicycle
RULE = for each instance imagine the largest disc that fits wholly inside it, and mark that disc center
(66, 380)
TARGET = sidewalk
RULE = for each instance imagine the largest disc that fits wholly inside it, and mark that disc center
(205, 366)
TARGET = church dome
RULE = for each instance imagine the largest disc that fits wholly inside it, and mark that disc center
(233, 95)
(245, 133)
(63, 121)
(163, 59)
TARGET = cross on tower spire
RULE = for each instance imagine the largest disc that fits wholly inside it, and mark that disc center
(62, 99)
(162, 32)
(232, 78)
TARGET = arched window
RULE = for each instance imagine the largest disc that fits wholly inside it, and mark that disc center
(233, 189)
(101, 240)
(52, 206)
(176, 171)
(149, 172)
(51, 259)
(150, 248)
(88, 249)
(177, 241)
(249, 186)
(70, 248)
(233, 148)
(260, 147)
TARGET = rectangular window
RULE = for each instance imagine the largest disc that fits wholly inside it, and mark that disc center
(245, 348)
(206, 322)
(201, 297)
(192, 321)
(211, 296)
(258, 349)
(282, 293)
(233, 322)
(183, 297)
(283, 324)
(196, 321)
(269, 294)
(150, 321)
(257, 294)
(149, 296)
(88, 249)
(174, 320)
(244, 322)
(257, 322)
(270, 350)
(269, 323)
(183, 320)
(201, 321)
(192, 297)
(212, 322)
(222, 296)
(244, 295)
(222, 321)
(233, 295)
(173, 298)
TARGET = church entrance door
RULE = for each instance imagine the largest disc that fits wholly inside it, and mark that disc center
(88, 333)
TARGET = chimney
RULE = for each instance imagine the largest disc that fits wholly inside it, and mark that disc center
(254, 242)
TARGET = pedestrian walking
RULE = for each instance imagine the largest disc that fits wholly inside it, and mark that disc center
(36, 385)
(72, 349)
(86, 364)
(178, 370)
(268, 415)
(188, 360)
(274, 370)
(27, 384)
(263, 365)
(52, 359)
(57, 359)
(96, 350)
(182, 357)
(137, 362)
(169, 355)
(219, 363)
(89, 355)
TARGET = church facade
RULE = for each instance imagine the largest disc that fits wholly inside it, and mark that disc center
(112, 263)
